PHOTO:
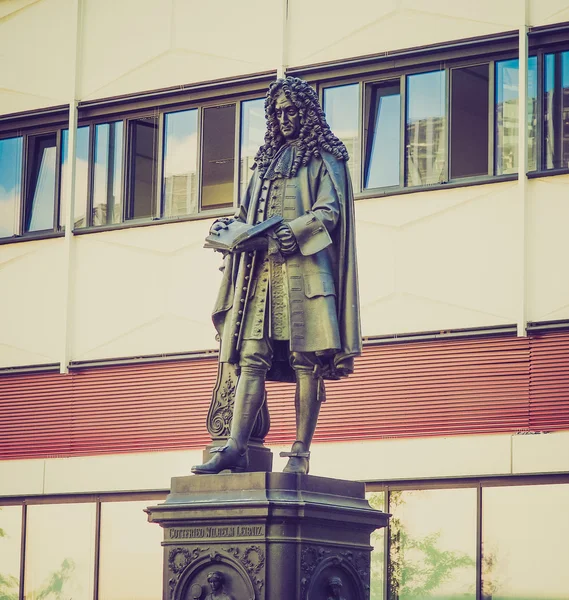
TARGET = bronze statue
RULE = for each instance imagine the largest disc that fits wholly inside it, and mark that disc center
(216, 581)
(290, 311)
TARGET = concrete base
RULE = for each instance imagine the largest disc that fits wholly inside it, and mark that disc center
(266, 536)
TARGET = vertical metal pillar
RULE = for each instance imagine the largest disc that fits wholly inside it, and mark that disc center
(69, 183)
(523, 167)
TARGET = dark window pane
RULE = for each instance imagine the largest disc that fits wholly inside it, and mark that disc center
(252, 136)
(523, 561)
(81, 175)
(143, 164)
(218, 159)
(342, 107)
(384, 137)
(551, 113)
(40, 203)
(131, 555)
(10, 537)
(10, 183)
(426, 128)
(60, 548)
(107, 183)
(433, 544)
(179, 186)
(507, 125)
(469, 121)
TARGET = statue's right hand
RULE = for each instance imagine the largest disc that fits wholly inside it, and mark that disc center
(220, 224)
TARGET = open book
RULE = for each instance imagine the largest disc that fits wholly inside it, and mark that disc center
(241, 237)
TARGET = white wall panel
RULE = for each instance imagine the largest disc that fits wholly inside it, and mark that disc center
(36, 39)
(146, 290)
(133, 46)
(546, 12)
(548, 248)
(323, 30)
(31, 280)
(438, 260)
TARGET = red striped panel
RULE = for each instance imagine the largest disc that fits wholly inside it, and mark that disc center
(428, 388)
(549, 382)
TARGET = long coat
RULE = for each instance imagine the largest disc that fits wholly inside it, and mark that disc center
(321, 277)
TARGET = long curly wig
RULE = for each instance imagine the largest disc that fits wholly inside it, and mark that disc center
(315, 133)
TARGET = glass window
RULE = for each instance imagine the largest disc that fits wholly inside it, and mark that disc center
(426, 128)
(179, 184)
(342, 108)
(10, 542)
(433, 544)
(108, 174)
(40, 204)
(143, 164)
(218, 157)
(81, 175)
(524, 543)
(130, 553)
(556, 111)
(10, 184)
(377, 500)
(507, 100)
(469, 121)
(60, 546)
(384, 136)
(253, 128)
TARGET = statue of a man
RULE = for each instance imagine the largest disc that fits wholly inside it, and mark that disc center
(290, 312)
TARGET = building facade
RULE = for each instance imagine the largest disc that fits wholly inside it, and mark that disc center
(127, 127)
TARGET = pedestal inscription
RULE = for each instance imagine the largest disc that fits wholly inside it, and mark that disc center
(266, 536)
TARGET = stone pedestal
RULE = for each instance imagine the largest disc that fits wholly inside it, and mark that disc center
(266, 536)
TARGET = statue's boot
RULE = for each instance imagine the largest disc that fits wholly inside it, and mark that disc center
(249, 396)
(309, 395)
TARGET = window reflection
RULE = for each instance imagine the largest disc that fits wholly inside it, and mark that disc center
(81, 175)
(10, 183)
(507, 126)
(143, 163)
(383, 152)
(426, 128)
(130, 555)
(218, 157)
(252, 136)
(341, 105)
(432, 544)
(179, 185)
(107, 179)
(556, 110)
(60, 545)
(469, 121)
(525, 559)
(377, 500)
(40, 205)
(10, 537)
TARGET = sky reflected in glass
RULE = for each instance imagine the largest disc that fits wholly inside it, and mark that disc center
(253, 128)
(60, 547)
(341, 105)
(131, 554)
(10, 542)
(107, 185)
(41, 208)
(426, 128)
(179, 184)
(10, 183)
(81, 175)
(525, 542)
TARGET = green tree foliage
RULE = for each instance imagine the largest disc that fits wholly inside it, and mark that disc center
(418, 566)
(53, 588)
